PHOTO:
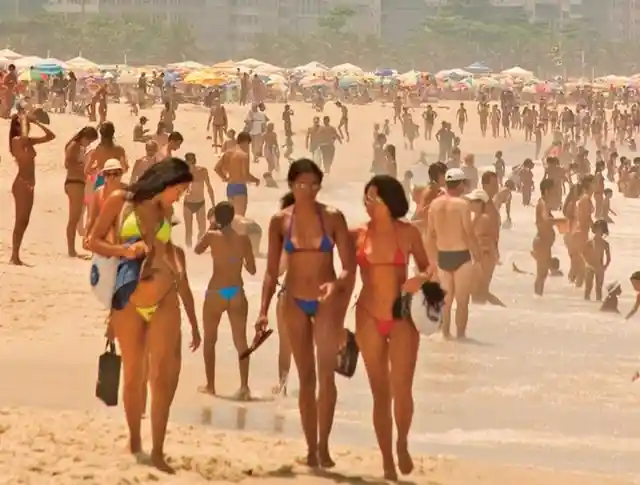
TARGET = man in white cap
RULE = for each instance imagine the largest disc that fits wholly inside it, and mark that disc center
(452, 244)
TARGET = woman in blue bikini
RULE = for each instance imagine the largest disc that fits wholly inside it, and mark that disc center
(231, 253)
(308, 231)
(146, 312)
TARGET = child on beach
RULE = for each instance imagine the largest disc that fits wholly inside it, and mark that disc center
(606, 206)
(635, 282)
(610, 303)
(597, 257)
(406, 183)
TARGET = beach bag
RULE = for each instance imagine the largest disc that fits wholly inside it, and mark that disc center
(347, 357)
(108, 383)
(102, 277)
(423, 308)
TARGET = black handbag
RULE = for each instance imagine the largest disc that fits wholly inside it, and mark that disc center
(108, 382)
(347, 358)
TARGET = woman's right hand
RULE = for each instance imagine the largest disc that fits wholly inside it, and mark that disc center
(261, 324)
(136, 250)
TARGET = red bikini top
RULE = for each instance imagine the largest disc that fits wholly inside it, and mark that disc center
(362, 260)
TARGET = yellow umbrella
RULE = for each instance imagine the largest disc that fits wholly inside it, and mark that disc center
(205, 78)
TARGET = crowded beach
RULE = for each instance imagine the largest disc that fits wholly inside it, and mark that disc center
(473, 215)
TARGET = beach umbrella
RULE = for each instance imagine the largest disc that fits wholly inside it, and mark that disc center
(347, 69)
(268, 69)
(187, 65)
(27, 62)
(312, 67)
(225, 66)
(32, 75)
(48, 69)
(485, 82)
(311, 81)
(385, 71)
(54, 61)
(9, 54)
(82, 64)
(517, 71)
(276, 79)
(205, 78)
(348, 82)
(250, 63)
(478, 68)
(4, 62)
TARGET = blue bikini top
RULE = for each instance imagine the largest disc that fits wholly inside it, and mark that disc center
(326, 244)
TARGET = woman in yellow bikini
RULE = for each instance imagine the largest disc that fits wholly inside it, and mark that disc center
(146, 312)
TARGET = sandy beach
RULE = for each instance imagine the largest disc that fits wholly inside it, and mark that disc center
(542, 394)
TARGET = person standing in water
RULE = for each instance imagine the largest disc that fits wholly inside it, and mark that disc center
(233, 168)
(545, 235)
(308, 231)
(389, 347)
(231, 253)
(22, 147)
(194, 203)
(582, 226)
(74, 183)
(452, 243)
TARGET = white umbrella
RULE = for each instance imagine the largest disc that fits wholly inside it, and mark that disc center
(9, 54)
(347, 68)
(517, 71)
(250, 63)
(53, 60)
(82, 63)
(4, 61)
(27, 62)
(312, 67)
(268, 69)
(188, 65)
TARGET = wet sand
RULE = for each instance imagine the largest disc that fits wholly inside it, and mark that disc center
(545, 383)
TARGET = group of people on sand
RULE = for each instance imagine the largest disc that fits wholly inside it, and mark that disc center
(453, 238)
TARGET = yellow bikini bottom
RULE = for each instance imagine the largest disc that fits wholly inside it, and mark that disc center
(147, 312)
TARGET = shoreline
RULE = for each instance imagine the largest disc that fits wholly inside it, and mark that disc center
(43, 446)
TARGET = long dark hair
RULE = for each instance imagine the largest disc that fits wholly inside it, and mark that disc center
(392, 193)
(159, 177)
(15, 130)
(88, 132)
(297, 168)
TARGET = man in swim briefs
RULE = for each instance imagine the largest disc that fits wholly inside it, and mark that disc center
(452, 244)
(233, 168)
(194, 203)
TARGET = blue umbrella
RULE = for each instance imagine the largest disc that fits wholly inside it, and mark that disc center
(385, 71)
(478, 68)
(48, 69)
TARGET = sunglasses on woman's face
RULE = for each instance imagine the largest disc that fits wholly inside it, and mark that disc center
(113, 173)
(371, 199)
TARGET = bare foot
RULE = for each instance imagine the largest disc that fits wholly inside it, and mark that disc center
(207, 390)
(16, 261)
(158, 461)
(390, 472)
(311, 460)
(242, 394)
(325, 459)
(84, 257)
(281, 387)
(405, 463)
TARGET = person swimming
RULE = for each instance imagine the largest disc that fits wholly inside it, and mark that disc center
(231, 253)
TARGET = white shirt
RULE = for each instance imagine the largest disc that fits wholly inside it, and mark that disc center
(256, 121)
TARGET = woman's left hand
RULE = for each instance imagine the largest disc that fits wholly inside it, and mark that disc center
(413, 284)
(195, 338)
(326, 290)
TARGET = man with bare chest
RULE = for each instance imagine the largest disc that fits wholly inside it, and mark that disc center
(218, 122)
(233, 168)
(141, 165)
(194, 203)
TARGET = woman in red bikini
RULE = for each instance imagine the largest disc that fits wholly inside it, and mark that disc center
(308, 232)
(389, 347)
(22, 147)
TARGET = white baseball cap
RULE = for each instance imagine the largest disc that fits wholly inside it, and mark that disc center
(455, 175)
(477, 195)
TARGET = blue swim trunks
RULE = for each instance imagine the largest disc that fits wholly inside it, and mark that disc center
(235, 190)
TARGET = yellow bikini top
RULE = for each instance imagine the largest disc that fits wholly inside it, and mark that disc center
(130, 229)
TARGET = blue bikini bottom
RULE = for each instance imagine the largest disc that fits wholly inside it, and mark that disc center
(229, 292)
(309, 307)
